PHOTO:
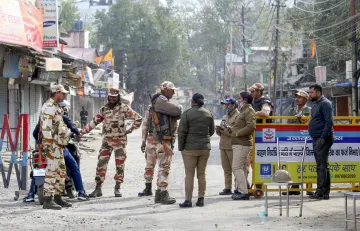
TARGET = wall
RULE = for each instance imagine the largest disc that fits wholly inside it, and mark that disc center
(77, 39)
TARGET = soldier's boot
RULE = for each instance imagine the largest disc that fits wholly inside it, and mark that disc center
(147, 191)
(58, 200)
(97, 192)
(166, 199)
(117, 190)
(50, 204)
(158, 196)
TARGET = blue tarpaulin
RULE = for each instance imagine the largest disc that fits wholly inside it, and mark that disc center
(348, 84)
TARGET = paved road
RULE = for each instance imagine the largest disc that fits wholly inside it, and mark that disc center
(134, 213)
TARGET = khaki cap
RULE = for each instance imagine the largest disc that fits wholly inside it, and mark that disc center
(168, 85)
(113, 92)
(256, 86)
(54, 87)
(303, 93)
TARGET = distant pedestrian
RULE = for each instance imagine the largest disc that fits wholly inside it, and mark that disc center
(322, 132)
(83, 117)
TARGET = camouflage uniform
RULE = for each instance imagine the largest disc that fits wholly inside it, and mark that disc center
(155, 151)
(55, 136)
(115, 139)
(167, 115)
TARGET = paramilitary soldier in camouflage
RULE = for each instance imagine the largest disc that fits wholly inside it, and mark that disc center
(113, 116)
(55, 135)
(159, 132)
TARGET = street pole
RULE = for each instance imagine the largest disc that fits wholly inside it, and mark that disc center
(282, 84)
(231, 62)
(276, 51)
(244, 44)
(355, 96)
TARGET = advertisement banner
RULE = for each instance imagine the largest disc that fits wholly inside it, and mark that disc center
(320, 74)
(21, 24)
(50, 24)
(344, 158)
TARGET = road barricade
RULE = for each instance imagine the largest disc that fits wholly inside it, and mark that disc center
(344, 158)
(19, 156)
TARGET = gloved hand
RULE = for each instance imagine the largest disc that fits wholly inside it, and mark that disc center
(143, 146)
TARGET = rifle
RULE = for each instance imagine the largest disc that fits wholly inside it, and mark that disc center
(161, 137)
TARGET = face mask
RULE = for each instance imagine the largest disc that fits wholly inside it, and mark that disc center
(228, 110)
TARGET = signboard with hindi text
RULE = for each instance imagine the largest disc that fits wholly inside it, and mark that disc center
(344, 157)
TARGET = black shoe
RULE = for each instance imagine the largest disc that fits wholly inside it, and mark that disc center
(200, 202)
(291, 193)
(225, 192)
(326, 197)
(317, 196)
(186, 204)
(240, 196)
(147, 191)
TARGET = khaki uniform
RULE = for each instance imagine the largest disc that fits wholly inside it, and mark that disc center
(115, 138)
(154, 149)
(55, 136)
(195, 129)
(226, 151)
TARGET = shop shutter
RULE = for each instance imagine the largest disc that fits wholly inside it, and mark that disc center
(3, 99)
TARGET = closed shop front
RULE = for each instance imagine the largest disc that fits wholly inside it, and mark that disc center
(3, 99)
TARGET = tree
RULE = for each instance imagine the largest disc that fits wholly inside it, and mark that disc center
(148, 44)
(69, 13)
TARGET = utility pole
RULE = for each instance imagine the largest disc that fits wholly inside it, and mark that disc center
(282, 83)
(244, 44)
(231, 61)
(276, 51)
(355, 96)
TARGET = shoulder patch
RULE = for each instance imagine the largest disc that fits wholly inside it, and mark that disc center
(163, 98)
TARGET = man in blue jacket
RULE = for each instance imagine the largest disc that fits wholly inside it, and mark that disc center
(322, 132)
(71, 161)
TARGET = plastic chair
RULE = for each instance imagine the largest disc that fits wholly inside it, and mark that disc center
(288, 146)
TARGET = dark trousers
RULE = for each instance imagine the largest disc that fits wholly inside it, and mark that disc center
(321, 153)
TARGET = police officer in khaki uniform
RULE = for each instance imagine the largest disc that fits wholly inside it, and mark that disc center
(195, 129)
(224, 131)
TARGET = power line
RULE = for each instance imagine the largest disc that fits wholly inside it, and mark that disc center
(321, 29)
(322, 11)
(313, 3)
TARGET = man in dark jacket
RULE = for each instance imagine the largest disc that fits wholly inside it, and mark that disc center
(195, 129)
(322, 132)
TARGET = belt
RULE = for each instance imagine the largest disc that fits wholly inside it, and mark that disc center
(169, 137)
